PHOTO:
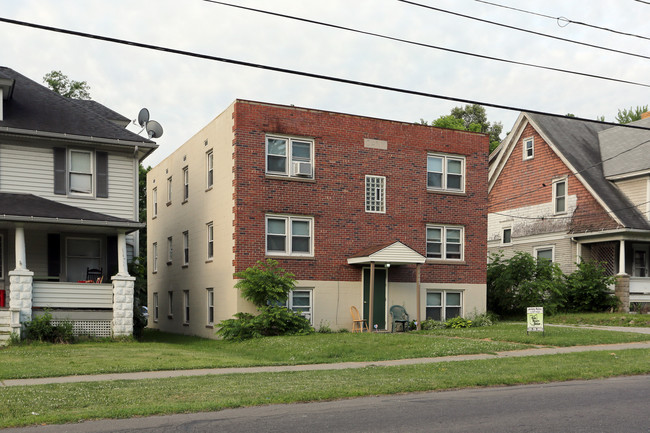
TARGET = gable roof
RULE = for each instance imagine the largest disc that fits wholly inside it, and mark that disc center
(576, 143)
(33, 109)
(624, 150)
(394, 252)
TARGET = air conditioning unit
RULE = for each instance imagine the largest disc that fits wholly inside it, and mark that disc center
(302, 168)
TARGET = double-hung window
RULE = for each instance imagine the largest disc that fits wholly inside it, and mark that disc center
(446, 173)
(529, 148)
(186, 248)
(209, 163)
(210, 306)
(186, 306)
(81, 172)
(169, 250)
(300, 301)
(376, 194)
(289, 235)
(210, 235)
(186, 184)
(154, 252)
(545, 252)
(443, 305)
(445, 242)
(155, 307)
(169, 190)
(292, 157)
(559, 196)
(170, 304)
(154, 199)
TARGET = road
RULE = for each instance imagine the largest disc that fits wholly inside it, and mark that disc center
(612, 405)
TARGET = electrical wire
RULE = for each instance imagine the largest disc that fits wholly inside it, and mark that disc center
(563, 20)
(613, 50)
(422, 44)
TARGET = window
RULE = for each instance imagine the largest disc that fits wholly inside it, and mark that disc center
(209, 162)
(506, 237)
(170, 304)
(443, 305)
(289, 157)
(169, 190)
(186, 306)
(82, 254)
(210, 304)
(154, 198)
(154, 252)
(546, 252)
(186, 248)
(290, 236)
(446, 173)
(169, 250)
(559, 196)
(640, 261)
(81, 173)
(210, 241)
(445, 242)
(186, 184)
(155, 307)
(300, 301)
(529, 148)
(375, 194)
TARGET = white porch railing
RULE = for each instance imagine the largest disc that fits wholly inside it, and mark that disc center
(639, 289)
(47, 294)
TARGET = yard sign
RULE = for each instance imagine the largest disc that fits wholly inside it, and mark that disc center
(535, 319)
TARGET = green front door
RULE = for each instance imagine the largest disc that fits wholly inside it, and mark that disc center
(379, 298)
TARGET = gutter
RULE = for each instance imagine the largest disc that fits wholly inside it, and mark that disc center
(87, 138)
(93, 223)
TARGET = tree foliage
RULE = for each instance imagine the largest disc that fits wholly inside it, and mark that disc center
(265, 283)
(470, 118)
(587, 289)
(633, 114)
(138, 267)
(58, 82)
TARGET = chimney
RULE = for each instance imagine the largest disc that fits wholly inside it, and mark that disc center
(645, 115)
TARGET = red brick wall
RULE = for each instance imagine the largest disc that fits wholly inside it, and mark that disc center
(336, 198)
(526, 183)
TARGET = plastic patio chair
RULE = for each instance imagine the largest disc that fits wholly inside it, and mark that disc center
(357, 321)
(399, 315)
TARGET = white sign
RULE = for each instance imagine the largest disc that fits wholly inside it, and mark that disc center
(535, 319)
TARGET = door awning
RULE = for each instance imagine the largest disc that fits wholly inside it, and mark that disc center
(392, 253)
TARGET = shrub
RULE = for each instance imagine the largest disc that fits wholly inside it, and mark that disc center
(41, 329)
(324, 328)
(432, 324)
(265, 283)
(587, 289)
(484, 319)
(458, 322)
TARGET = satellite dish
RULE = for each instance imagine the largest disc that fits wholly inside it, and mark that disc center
(154, 129)
(143, 117)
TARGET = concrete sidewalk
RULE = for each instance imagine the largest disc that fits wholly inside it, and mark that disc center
(314, 367)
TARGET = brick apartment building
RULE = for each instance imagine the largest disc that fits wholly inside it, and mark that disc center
(338, 200)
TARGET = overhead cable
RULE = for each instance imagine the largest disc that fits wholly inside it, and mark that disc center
(613, 50)
(421, 44)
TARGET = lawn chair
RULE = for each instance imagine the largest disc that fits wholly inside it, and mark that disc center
(94, 275)
(357, 321)
(400, 316)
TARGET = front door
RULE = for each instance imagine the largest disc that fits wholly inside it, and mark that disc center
(379, 298)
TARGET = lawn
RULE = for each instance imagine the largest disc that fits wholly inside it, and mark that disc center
(62, 403)
(602, 319)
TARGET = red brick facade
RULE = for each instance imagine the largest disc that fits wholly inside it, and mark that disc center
(529, 182)
(335, 197)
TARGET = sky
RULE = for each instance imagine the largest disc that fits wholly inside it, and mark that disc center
(184, 93)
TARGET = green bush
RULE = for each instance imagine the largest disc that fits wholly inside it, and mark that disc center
(587, 289)
(265, 283)
(272, 320)
(432, 324)
(484, 319)
(458, 322)
(41, 329)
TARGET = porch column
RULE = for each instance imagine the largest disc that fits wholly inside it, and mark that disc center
(21, 260)
(122, 305)
(621, 258)
(21, 282)
(417, 289)
(371, 296)
(578, 253)
(122, 268)
(622, 285)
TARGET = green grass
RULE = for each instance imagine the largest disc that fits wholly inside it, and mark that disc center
(552, 336)
(62, 403)
(602, 319)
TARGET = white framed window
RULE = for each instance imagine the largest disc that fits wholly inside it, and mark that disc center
(154, 253)
(293, 157)
(376, 194)
(546, 252)
(210, 243)
(446, 173)
(559, 196)
(186, 306)
(186, 184)
(289, 235)
(445, 242)
(506, 236)
(210, 306)
(186, 248)
(82, 254)
(209, 168)
(81, 172)
(155, 307)
(154, 201)
(170, 304)
(529, 148)
(169, 250)
(300, 301)
(169, 189)
(443, 305)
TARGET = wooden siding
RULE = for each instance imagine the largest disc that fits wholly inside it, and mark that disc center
(38, 179)
(72, 295)
(636, 190)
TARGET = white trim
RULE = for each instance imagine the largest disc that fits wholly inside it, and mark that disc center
(533, 239)
(209, 167)
(445, 172)
(92, 174)
(310, 314)
(539, 248)
(186, 247)
(443, 241)
(154, 258)
(378, 183)
(209, 233)
(288, 168)
(525, 149)
(288, 234)
(156, 307)
(503, 232)
(186, 307)
(443, 302)
(209, 291)
(554, 185)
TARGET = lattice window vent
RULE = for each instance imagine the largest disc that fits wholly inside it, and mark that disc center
(95, 328)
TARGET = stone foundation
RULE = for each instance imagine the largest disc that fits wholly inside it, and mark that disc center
(20, 297)
(123, 305)
(622, 292)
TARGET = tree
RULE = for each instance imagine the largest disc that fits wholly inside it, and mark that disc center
(138, 267)
(470, 118)
(626, 116)
(58, 82)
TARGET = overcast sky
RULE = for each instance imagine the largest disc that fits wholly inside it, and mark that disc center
(185, 93)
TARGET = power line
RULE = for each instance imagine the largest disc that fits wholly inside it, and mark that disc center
(421, 44)
(563, 21)
(627, 53)
(641, 1)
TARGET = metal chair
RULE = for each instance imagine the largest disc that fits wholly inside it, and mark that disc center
(357, 321)
(95, 275)
(399, 315)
